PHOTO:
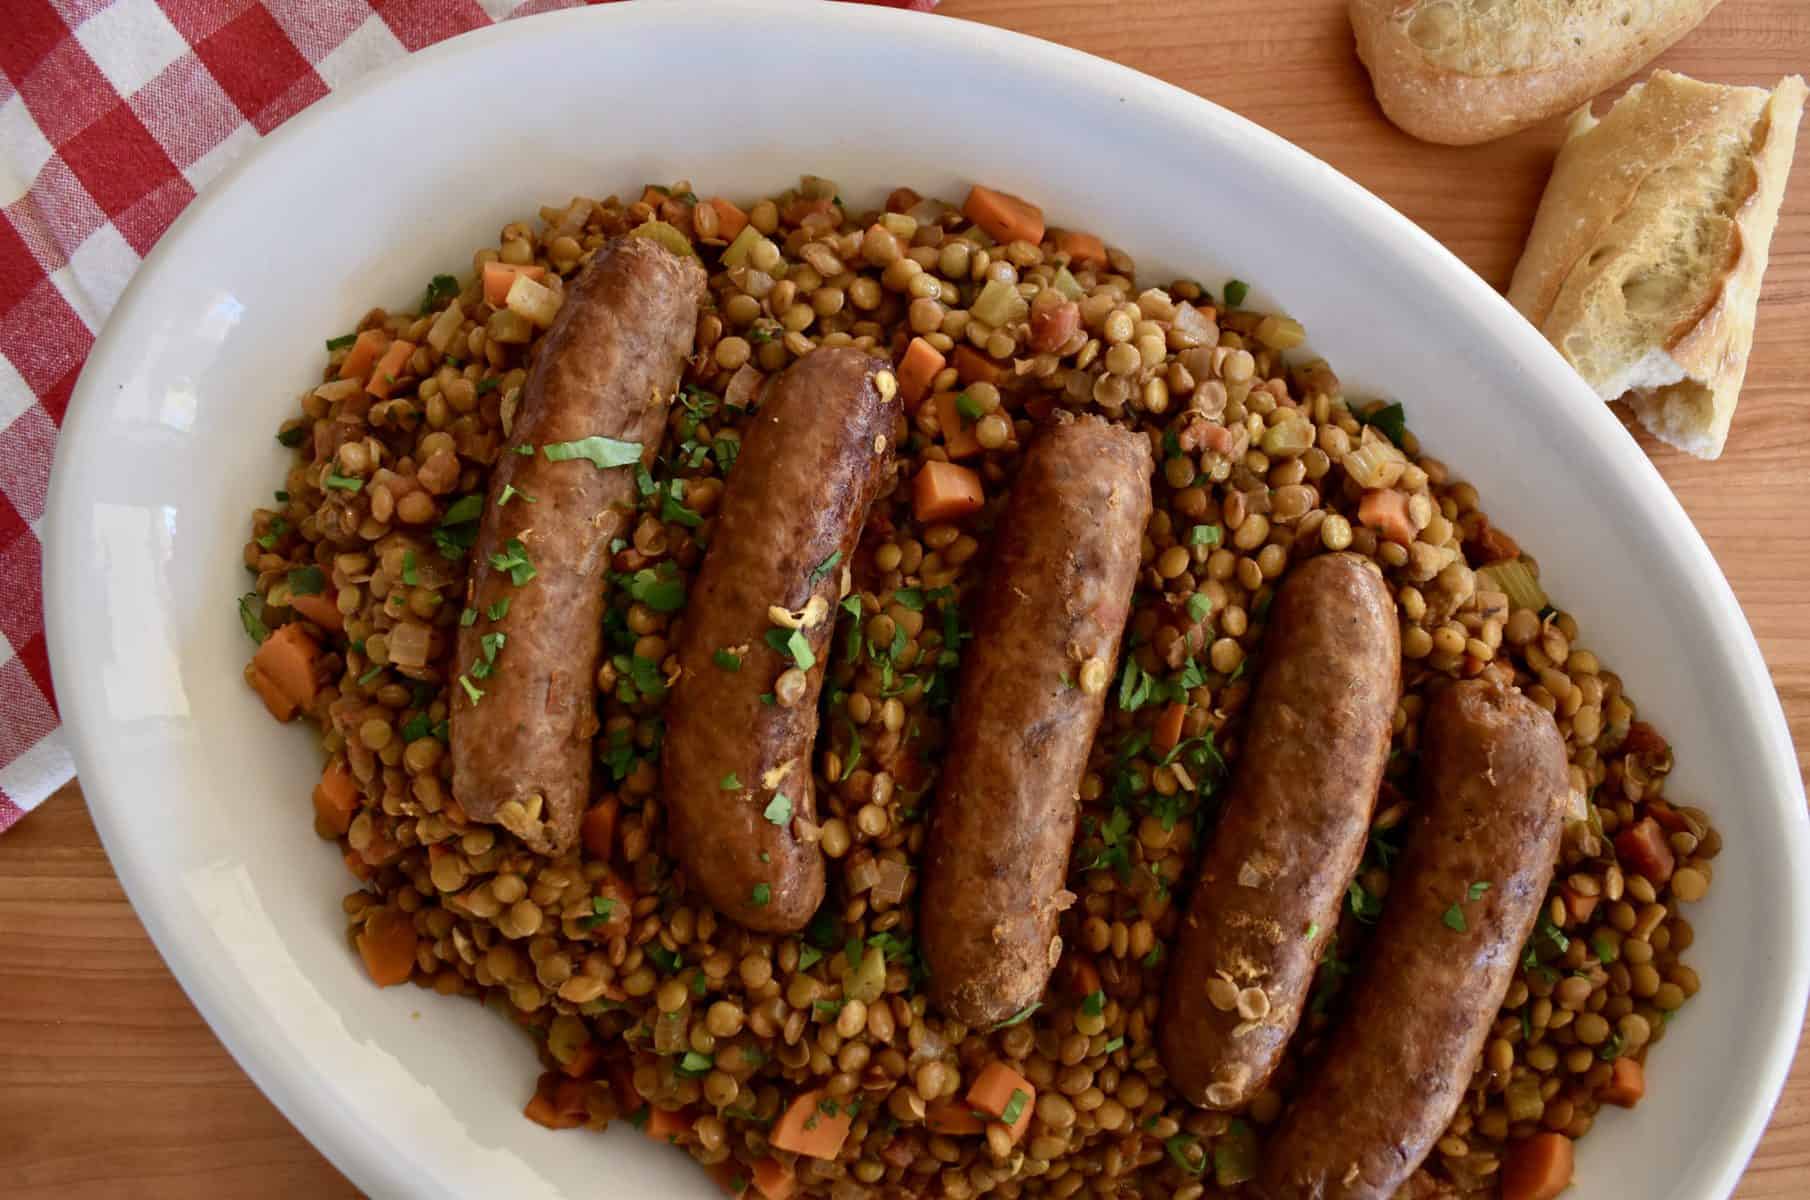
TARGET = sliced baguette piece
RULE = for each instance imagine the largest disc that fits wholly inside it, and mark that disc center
(1466, 71)
(1645, 260)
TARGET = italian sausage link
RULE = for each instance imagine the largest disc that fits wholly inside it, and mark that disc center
(1269, 886)
(522, 729)
(1033, 683)
(742, 716)
(1462, 902)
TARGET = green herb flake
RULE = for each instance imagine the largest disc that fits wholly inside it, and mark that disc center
(1200, 606)
(911, 599)
(694, 1065)
(1365, 905)
(410, 575)
(1235, 292)
(439, 289)
(513, 559)
(1476, 890)
(340, 342)
(761, 896)
(510, 493)
(808, 957)
(822, 570)
(727, 660)
(490, 643)
(1184, 1151)
(1014, 1106)
(1606, 950)
(969, 408)
(292, 437)
(369, 675)
(1093, 1004)
(731, 782)
(254, 626)
(1117, 1043)
(1203, 535)
(499, 610)
(1313, 930)
(472, 691)
(489, 383)
(779, 809)
(601, 452)
(343, 483)
(306, 581)
(1454, 919)
(1019, 1017)
(1390, 420)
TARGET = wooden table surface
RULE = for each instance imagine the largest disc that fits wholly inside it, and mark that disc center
(111, 1085)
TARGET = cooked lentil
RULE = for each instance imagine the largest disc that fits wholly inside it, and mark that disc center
(640, 997)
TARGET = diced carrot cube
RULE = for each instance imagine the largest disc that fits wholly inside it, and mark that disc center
(283, 671)
(598, 830)
(1005, 217)
(1083, 249)
(336, 797)
(1168, 731)
(730, 220)
(1642, 846)
(364, 354)
(917, 369)
(322, 609)
(1538, 1168)
(952, 1117)
(665, 1124)
(971, 366)
(1001, 1092)
(958, 431)
(389, 369)
(944, 491)
(1627, 1083)
(498, 276)
(1386, 511)
(774, 1180)
(387, 944)
(815, 1125)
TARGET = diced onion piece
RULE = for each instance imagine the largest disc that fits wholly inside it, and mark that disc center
(440, 334)
(867, 982)
(744, 387)
(737, 253)
(1190, 325)
(535, 301)
(666, 235)
(1515, 579)
(509, 327)
(670, 1034)
(1376, 463)
(998, 304)
(1066, 283)
(893, 877)
(1280, 333)
(1287, 438)
(863, 875)
(339, 389)
(408, 644)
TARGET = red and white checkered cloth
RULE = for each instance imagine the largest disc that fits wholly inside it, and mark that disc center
(113, 114)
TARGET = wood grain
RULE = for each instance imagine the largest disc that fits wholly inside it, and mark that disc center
(111, 1085)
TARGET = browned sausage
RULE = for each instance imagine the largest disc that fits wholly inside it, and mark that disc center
(736, 766)
(1033, 684)
(608, 367)
(1292, 833)
(1461, 904)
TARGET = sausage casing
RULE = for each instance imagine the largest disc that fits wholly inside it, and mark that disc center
(1292, 833)
(1065, 561)
(522, 753)
(736, 767)
(1462, 901)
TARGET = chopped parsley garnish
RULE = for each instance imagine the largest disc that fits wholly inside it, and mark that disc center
(1094, 1003)
(1390, 421)
(306, 581)
(761, 896)
(439, 288)
(344, 483)
(854, 751)
(509, 493)
(727, 660)
(369, 675)
(672, 505)
(513, 559)
(792, 644)
(1203, 535)
(410, 575)
(1200, 606)
(1313, 928)
(1476, 890)
(292, 437)
(779, 809)
(1014, 1106)
(1454, 919)
(601, 452)
(821, 571)
(660, 588)
(808, 957)
(731, 782)
(499, 610)
(1610, 1050)
(1135, 685)
(1184, 1151)
(524, 449)
(1365, 904)
(1606, 951)
(969, 408)
(489, 383)
(667, 960)
(490, 643)
(727, 450)
(909, 598)
(1236, 291)
(255, 629)
(417, 727)
(340, 342)
(1155, 956)
(278, 527)
(472, 691)
(695, 1065)
(457, 531)
(1019, 1017)
(1115, 1044)
(465, 508)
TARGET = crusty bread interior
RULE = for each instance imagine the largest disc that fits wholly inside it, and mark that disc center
(1646, 258)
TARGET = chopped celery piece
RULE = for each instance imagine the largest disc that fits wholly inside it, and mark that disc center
(1517, 580)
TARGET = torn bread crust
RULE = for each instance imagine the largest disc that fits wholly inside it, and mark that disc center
(1645, 262)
